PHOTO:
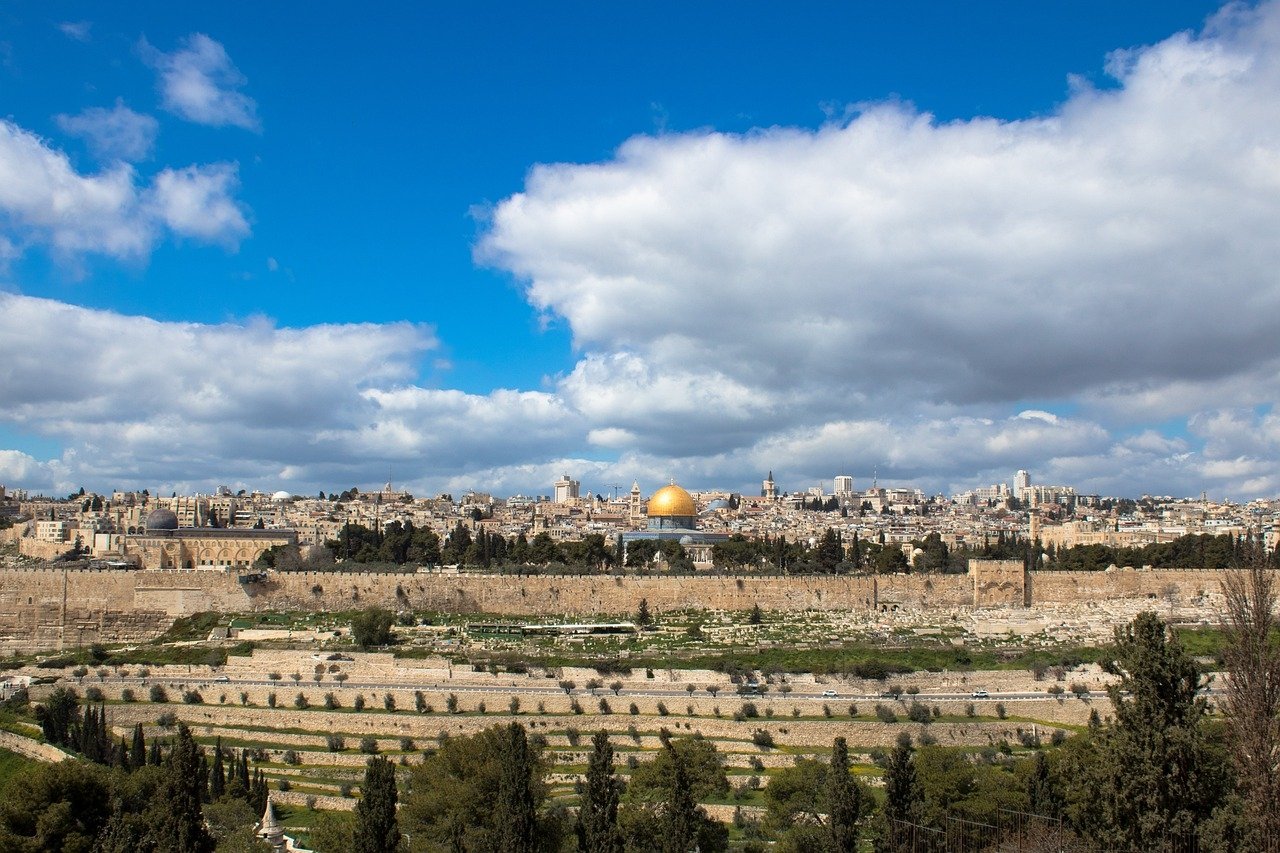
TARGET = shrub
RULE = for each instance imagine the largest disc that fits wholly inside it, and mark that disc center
(331, 701)
(369, 745)
(451, 704)
(514, 705)
(274, 676)
(244, 698)
(291, 757)
(826, 711)
(632, 762)
(335, 743)
(93, 694)
(80, 671)
(853, 710)
(389, 702)
(407, 744)
(167, 720)
(913, 690)
(918, 712)
(358, 703)
(126, 695)
(605, 708)
(885, 714)
(1080, 690)
(1058, 738)
(749, 710)
(345, 790)
(1055, 690)
(1000, 710)
(572, 735)
(634, 733)
(970, 710)
(762, 738)
(481, 707)
(158, 694)
(927, 739)
(756, 764)
(616, 687)
(575, 707)
(271, 700)
(662, 709)
(634, 709)
(420, 701)
(300, 701)
(284, 785)
(192, 697)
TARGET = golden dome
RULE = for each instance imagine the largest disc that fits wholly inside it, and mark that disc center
(671, 501)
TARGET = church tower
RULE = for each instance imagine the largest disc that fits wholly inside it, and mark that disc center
(768, 489)
(635, 506)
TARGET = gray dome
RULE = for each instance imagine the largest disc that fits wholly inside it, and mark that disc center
(161, 519)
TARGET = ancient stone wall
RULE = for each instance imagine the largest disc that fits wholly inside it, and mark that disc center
(52, 607)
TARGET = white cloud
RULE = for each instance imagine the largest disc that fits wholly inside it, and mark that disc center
(115, 134)
(199, 82)
(44, 200)
(77, 30)
(198, 202)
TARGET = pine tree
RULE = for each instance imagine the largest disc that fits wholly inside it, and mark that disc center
(844, 800)
(515, 812)
(376, 829)
(1149, 779)
(597, 826)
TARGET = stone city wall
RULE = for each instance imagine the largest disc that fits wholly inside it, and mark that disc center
(54, 608)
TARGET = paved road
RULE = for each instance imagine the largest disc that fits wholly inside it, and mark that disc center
(534, 688)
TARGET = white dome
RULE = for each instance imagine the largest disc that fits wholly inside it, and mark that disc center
(281, 496)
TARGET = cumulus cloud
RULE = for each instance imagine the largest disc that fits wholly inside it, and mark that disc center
(113, 134)
(887, 270)
(45, 200)
(199, 83)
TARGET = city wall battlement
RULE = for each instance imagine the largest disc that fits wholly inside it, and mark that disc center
(49, 607)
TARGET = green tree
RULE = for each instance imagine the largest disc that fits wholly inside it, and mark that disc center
(450, 800)
(844, 800)
(58, 808)
(175, 815)
(660, 810)
(597, 826)
(372, 627)
(903, 801)
(515, 811)
(376, 830)
(1149, 779)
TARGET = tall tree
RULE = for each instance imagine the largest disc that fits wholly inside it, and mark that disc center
(376, 828)
(218, 779)
(1252, 658)
(904, 798)
(680, 818)
(138, 748)
(844, 800)
(175, 813)
(597, 826)
(516, 809)
(1148, 780)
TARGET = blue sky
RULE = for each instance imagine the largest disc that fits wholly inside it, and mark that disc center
(517, 240)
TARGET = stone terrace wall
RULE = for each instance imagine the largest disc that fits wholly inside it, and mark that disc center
(1182, 585)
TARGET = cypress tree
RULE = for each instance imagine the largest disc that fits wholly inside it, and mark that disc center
(376, 830)
(515, 812)
(203, 773)
(597, 826)
(177, 819)
(844, 800)
(904, 796)
(138, 750)
(680, 817)
(218, 779)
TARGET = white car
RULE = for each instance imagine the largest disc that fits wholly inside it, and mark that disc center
(980, 694)
(829, 694)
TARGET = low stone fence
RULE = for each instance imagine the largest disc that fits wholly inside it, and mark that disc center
(29, 748)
